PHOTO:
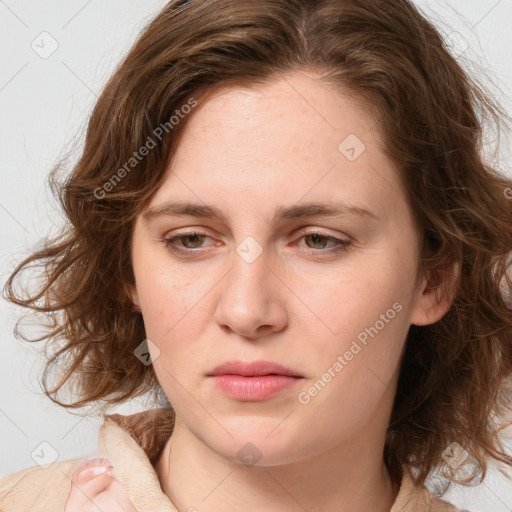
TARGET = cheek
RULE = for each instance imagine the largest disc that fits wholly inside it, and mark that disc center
(357, 365)
(356, 376)
(166, 298)
(173, 309)
(347, 302)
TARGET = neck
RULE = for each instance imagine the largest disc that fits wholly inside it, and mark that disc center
(351, 477)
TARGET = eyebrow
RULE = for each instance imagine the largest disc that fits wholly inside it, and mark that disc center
(327, 209)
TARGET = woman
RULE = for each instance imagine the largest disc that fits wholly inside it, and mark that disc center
(282, 220)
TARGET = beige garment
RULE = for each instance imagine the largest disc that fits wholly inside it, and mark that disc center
(132, 444)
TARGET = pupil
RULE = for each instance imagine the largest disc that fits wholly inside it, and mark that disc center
(316, 239)
(193, 238)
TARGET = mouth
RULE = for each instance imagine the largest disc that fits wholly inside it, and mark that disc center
(253, 381)
(252, 369)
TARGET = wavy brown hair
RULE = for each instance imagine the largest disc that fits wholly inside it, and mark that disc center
(455, 374)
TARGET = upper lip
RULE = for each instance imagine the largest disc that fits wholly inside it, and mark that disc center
(252, 369)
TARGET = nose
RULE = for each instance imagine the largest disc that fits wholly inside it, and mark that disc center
(252, 302)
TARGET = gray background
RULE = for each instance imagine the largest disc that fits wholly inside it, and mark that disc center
(44, 106)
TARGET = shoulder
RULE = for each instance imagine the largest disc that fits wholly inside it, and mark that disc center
(439, 505)
(38, 489)
(415, 498)
(132, 443)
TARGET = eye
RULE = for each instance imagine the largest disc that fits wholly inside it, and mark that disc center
(320, 240)
(187, 242)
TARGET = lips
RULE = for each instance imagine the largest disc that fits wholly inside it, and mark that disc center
(253, 381)
(252, 369)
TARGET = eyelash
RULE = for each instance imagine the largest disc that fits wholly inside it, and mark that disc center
(342, 245)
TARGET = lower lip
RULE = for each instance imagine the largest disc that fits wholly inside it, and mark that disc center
(253, 389)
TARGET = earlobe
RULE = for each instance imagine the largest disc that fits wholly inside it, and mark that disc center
(436, 295)
(134, 296)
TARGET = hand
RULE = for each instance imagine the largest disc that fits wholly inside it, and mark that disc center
(92, 491)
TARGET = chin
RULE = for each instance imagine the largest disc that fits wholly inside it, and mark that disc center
(253, 446)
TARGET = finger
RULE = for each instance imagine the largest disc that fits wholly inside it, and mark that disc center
(91, 463)
(114, 496)
(89, 480)
(90, 474)
(118, 493)
(89, 469)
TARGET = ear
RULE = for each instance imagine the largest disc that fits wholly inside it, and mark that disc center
(132, 291)
(435, 295)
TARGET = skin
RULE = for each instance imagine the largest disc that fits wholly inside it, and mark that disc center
(248, 151)
(92, 491)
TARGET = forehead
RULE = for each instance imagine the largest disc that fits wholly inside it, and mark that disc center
(287, 139)
(298, 108)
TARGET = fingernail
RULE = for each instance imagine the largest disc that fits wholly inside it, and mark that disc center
(90, 473)
(110, 471)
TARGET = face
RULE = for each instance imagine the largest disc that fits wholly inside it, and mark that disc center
(328, 295)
